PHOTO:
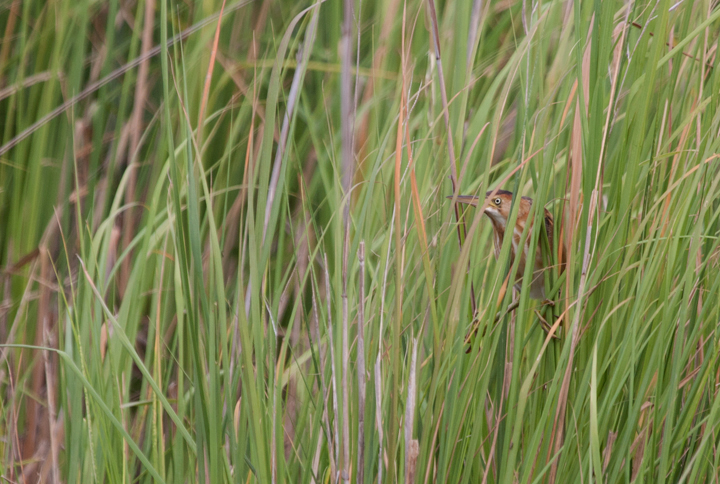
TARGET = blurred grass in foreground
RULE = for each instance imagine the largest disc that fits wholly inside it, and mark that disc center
(226, 254)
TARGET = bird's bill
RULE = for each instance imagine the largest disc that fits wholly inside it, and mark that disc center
(468, 199)
(490, 210)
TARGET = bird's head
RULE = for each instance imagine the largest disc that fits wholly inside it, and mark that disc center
(498, 206)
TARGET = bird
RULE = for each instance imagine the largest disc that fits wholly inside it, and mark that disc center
(497, 208)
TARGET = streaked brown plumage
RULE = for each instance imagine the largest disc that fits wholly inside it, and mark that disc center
(498, 211)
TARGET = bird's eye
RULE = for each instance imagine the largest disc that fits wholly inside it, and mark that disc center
(497, 201)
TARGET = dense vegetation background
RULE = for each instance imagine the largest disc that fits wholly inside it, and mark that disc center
(226, 252)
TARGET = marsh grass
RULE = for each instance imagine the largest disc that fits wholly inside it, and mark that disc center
(227, 255)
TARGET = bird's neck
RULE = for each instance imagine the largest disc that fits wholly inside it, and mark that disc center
(499, 227)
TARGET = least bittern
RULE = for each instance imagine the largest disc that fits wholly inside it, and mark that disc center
(497, 208)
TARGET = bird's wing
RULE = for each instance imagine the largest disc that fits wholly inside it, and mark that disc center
(469, 199)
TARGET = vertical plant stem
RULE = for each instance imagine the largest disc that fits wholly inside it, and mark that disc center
(52, 420)
(360, 472)
(411, 445)
(44, 324)
(345, 361)
(475, 17)
(378, 413)
(378, 361)
(347, 125)
(323, 387)
(331, 339)
(395, 381)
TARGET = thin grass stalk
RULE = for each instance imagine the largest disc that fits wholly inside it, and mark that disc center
(37, 370)
(301, 242)
(399, 289)
(432, 460)
(347, 104)
(316, 458)
(90, 415)
(356, 94)
(273, 432)
(347, 114)
(157, 370)
(411, 445)
(507, 371)
(333, 373)
(13, 16)
(52, 414)
(245, 195)
(208, 78)
(475, 17)
(13, 450)
(323, 388)
(378, 412)
(360, 472)
(50, 373)
(378, 361)
(443, 92)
